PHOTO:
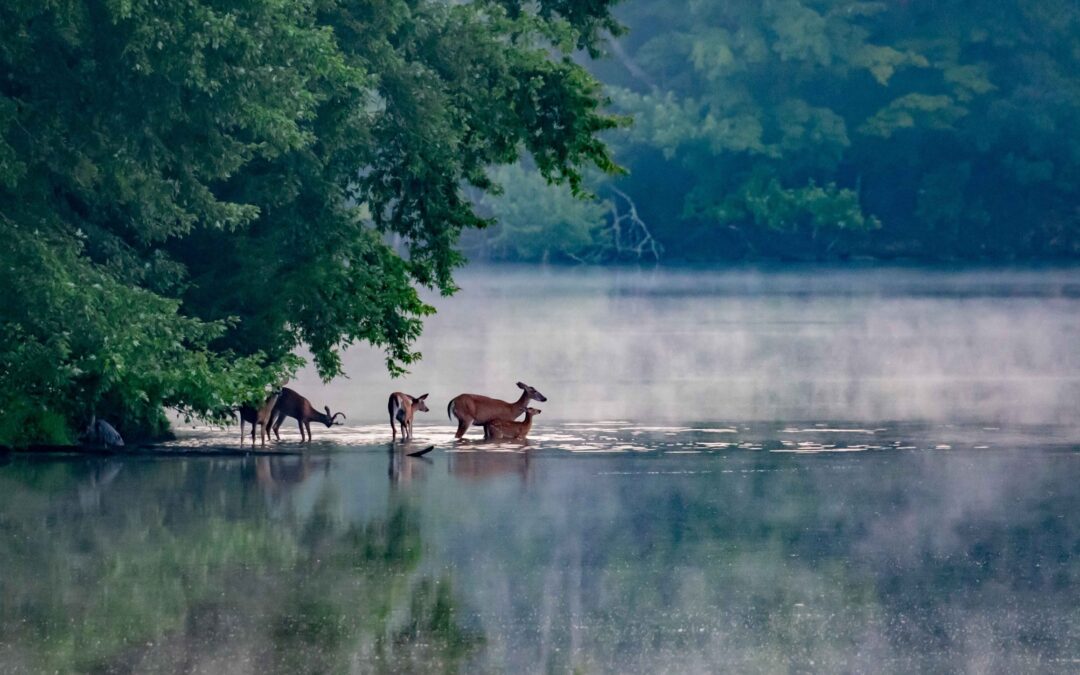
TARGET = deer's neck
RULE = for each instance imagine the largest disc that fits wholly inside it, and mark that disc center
(522, 402)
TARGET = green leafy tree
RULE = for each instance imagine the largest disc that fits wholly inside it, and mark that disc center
(536, 221)
(815, 128)
(191, 191)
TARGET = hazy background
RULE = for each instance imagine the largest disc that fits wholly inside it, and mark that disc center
(810, 343)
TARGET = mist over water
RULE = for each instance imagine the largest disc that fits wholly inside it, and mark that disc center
(822, 470)
(745, 344)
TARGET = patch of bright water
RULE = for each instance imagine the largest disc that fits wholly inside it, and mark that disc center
(624, 437)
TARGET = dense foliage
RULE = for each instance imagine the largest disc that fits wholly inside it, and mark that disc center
(827, 128)
(168, 168)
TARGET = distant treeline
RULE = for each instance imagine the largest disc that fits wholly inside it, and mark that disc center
(812, 129)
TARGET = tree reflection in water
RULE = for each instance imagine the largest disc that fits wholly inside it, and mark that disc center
(180, 566)
(552, 561)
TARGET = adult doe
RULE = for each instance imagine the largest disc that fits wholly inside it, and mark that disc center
(470, 408)
(402, 407)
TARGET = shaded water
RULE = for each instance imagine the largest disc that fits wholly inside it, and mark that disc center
(750, 527)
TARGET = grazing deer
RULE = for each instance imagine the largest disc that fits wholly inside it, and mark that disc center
(258, 417)
(401, 408)
(469, 408)
(510, 431)
(291, 404)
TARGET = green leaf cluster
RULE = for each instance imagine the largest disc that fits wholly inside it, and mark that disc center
(536, 221)
(952, 126)
(189, 192)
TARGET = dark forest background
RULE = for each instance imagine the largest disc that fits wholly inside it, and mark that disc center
(822, 129)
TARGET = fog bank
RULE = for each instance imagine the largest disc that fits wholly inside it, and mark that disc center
(805, 343)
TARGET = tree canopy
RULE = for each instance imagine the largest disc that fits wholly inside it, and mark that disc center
(191, 191)
(818, 129)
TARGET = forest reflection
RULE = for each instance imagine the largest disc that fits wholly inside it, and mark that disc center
(211, 566)
(368, 561)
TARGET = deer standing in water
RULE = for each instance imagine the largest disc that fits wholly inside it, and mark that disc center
(470, 408)
(291, 404)
(258, 417)
(401, 408)
(510, 431)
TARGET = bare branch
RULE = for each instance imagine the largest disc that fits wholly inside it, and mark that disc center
(632, 67)
(637, 240)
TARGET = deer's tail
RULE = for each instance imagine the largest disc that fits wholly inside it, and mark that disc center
(450, 409)
(391, 407)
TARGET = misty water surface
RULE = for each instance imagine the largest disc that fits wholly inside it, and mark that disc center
(844, 471)
(664, 552)
(746, 344)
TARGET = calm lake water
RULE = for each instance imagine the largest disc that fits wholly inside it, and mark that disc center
(749, 471)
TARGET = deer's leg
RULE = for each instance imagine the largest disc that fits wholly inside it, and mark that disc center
(463, 425)
(277, 424)
(308, 425)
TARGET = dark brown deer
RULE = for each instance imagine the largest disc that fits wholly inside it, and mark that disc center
(510, 431)
(291, 404)
(470, 408)
(401, 408)
(258, 417)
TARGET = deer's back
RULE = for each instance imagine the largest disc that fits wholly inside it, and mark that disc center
(292, 404)
(484, 408)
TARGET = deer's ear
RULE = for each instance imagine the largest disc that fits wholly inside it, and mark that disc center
(422, 397)
(522, 385)
(327, 409)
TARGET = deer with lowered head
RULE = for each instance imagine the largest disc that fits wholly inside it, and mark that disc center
(510, 431)
(470, 408)
(291, 404)
(258, 417)
(401, 408)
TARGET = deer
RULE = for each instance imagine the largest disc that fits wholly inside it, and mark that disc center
(258, 417)
(510, 431)
(291, 404)
(401, 408)
(470, 408)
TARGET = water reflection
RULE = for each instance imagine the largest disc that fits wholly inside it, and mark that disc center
(178, 566)
(487, 462)
(276, 475)
(403, 469)
(677, 558)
